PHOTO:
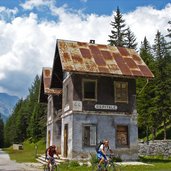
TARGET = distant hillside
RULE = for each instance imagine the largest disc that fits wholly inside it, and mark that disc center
(7, 103)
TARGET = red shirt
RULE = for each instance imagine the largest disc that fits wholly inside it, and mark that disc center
(51, 151)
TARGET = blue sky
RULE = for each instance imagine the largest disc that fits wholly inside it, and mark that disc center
(100, 7)
(29, 29)
(105, 7)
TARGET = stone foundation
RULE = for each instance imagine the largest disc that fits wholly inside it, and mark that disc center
(155, 148)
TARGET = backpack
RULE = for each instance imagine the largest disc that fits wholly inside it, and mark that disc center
(98, 146)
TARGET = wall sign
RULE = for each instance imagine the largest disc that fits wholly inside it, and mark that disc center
(106, 107)
(66, 108)
(77, 105)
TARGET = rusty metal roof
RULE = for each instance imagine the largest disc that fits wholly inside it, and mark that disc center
(101, 59)
(47, 73)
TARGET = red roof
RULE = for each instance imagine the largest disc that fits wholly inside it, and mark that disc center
(47, 73)
(101, 59)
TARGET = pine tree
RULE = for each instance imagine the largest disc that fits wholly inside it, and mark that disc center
(117, 37)
(169, 34)
(11, 135)
(28, 118)
(130, 39)
(169, 30)
(146, 45)
(146, 53)
(36, 129)
(163, 84)
(1, 132)
(22, 121)
(145, 93)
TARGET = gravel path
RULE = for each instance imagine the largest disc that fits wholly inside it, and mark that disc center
(8, 165)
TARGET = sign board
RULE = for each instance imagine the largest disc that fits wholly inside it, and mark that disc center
(106, 107)
(77, 106)
(66, 108)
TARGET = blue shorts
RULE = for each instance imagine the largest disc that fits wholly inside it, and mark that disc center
(100, 155)
(50, 158)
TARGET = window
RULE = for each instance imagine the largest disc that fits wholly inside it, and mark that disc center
(89, 135)
(121, 91)
(90, 89)
(122, 136)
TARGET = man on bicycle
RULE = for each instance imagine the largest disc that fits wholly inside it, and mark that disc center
(101, 153)
(50, 152)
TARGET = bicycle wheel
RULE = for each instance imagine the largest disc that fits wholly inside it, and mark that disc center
(96, 168)
(117, 167)
(45, 167)
(113, 167)
(55, 168)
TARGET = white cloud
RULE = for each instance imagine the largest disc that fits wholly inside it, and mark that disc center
(145, 21)
(30, 4)
(26, 49)
(6, 13)
(28, 44)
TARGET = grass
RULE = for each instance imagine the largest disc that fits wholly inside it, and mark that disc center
(155, 167)
(28, 154)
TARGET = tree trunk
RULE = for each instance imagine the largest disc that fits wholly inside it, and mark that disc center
(147, 134)
(153, 133)
(164, 122)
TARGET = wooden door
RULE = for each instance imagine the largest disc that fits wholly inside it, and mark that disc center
(49, 138)
(66, 140)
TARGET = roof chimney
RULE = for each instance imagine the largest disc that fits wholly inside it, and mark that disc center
(92, 41)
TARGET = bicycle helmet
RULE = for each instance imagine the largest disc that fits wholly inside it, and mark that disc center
(54, 146)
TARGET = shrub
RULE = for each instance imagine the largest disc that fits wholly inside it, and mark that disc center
(74, 163)
(93, 159)
(117, 159)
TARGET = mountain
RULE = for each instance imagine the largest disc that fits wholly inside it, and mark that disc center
(7, 103)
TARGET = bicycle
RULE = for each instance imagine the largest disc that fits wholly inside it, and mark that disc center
(111, 165)
(53, 166)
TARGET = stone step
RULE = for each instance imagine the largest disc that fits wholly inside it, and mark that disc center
(41, 159)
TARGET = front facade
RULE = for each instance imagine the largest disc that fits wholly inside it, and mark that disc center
(98, 100)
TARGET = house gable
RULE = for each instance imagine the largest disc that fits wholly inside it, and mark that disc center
(57, 72)
(45, 89)
(101, 59)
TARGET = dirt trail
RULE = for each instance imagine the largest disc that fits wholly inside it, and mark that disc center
(8, 165)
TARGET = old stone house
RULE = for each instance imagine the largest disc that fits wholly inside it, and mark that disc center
(91, 95)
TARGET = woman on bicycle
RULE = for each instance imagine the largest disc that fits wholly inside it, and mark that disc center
(51, 151)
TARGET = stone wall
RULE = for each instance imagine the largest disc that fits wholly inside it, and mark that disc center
(155, 148)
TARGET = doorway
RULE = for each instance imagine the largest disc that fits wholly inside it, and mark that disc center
(66, 140)
(49, 137)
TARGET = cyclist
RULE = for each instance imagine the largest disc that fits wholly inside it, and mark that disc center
(101, 153)
(50, 152)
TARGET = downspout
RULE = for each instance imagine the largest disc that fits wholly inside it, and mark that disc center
(144, 87)
(146, 124)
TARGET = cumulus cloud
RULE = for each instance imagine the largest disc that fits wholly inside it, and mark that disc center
(6, 13)
(27, 47)
(29, 5)
(28, 44)
(145, 21)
